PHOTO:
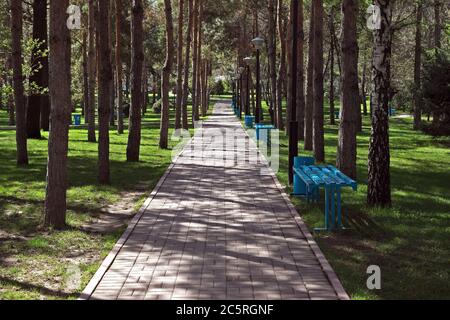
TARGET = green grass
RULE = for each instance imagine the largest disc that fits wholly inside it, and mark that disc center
(36, 263)
(410, 241)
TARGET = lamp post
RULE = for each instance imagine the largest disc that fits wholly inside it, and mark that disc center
(293, 124)
(258, 42)
(240, 72)
(248, 61)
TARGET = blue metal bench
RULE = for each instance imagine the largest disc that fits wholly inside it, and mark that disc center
(308, 179)
(392, 112)
(249, 121)
(267, 129)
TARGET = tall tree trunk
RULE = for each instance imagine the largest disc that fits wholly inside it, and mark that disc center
(418, 67)
(104, 91)
(137, 59)
(272, 56)
(179, 102)
(199, 60)
(92, 69)
(318, 96)
(187, 53)
(195, 60)
(59, 85)
(167, 69)
(85, 70)
(40, 77)
(300, 73)
(379, 183)
(309, 88)
(204, 88)
(437, 24)
(363, 87)
(19, 98)
(331, 27)
(289, 39)
(282, 26)
(9, 81)
(119, 93)
(186, 65)
(112, 83)
(346, 155)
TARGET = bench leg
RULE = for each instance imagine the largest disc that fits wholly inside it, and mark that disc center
(333, 206)
(339, 210)
(327, 206)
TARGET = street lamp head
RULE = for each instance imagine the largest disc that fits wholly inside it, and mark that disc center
(248, 60)
(258, 42)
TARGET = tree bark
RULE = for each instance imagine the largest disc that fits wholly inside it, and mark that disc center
(137, 60)
(437, 24)
(346, 154)
(331, 27)
(272, 56)
(363, 87)
(119, 92)
(167, 69)
(9, 81)
(59, 85)
(186, 65)
(19, 98)
(85, 70)
(179, 101)
(318, 96)
(195, 61)
(379, 184)
(37, 101)
(300, 74)
(92, 69)
(309, 88)
(289, 38)
(199, 61)
(104, 91)
(418, 67)
(282, 68)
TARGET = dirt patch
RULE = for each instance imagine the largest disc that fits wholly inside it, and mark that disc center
(117, 216)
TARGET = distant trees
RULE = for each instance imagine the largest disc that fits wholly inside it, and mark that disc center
(19, 94)
(59, 82)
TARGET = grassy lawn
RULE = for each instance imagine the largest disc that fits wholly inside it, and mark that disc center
(410, 241)
(39, 264)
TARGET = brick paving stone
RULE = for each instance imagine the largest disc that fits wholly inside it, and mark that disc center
(217, 228)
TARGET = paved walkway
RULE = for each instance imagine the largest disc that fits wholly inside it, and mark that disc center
(210, 231)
